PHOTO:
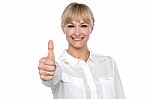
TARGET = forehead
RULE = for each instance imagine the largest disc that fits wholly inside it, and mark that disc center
(81, 21)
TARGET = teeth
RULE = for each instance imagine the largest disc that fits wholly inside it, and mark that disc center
(77, 39)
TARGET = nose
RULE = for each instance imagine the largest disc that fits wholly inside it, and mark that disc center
(77, 31)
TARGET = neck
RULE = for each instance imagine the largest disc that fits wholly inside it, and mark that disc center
(79, 53)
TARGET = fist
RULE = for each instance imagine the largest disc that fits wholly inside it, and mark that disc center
(47, 65)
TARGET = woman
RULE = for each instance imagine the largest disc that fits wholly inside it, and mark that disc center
(79, 73)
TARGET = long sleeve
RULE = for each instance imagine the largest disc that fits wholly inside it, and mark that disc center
(56, 81)
(118, 84)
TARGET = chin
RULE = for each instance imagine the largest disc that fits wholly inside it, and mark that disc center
(77, 46)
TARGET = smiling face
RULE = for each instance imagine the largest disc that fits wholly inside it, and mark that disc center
(77, 34)
(77, 23)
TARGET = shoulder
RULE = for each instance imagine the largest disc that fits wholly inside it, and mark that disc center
(102, 58)
(104, 63)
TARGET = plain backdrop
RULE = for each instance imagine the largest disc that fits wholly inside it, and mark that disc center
(121, 31)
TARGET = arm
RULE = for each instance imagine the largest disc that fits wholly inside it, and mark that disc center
(54, 83)
(49, 70)
(118, 84)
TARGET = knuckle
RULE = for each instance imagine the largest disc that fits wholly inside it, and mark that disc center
(41, 60)
(41, 72)
(50, 73)
(53, 73)
(47, 67)
(52, 68)
(51, 77)
(46, 77)
(39, 67)
(42, 77)
(51, 62)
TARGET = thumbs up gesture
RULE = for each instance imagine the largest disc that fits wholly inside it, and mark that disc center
(47, 65)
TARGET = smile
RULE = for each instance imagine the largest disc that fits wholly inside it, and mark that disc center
(77, 38)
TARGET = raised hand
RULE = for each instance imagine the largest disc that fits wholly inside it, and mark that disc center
(47, 65)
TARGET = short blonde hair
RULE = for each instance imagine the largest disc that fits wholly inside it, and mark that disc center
(76, 12)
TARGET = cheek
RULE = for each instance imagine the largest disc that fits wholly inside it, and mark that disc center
(69, 33)
(87, 34)
(86, 31)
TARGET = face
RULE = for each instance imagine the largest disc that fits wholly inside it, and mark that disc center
(77, 34)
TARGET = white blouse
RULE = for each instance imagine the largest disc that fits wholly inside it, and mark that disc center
(97, 78)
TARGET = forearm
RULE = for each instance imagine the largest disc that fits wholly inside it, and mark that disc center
(56, 81)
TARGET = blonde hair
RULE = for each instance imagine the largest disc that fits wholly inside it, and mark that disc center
(76, 12)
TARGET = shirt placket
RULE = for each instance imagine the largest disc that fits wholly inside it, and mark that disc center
(90, 80)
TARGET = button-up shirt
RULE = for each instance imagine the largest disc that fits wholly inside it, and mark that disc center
(97, 78)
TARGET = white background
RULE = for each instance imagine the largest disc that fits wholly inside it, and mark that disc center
(121, 31)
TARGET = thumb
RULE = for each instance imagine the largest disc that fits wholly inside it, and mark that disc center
(51, 50)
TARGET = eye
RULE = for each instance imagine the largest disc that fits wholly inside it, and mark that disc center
(70, 26)
(84, 26)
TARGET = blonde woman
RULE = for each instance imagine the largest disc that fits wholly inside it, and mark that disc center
(79, 73)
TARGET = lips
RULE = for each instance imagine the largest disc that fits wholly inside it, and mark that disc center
(77, 38)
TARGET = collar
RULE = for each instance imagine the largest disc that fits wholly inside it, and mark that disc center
(66, 57)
